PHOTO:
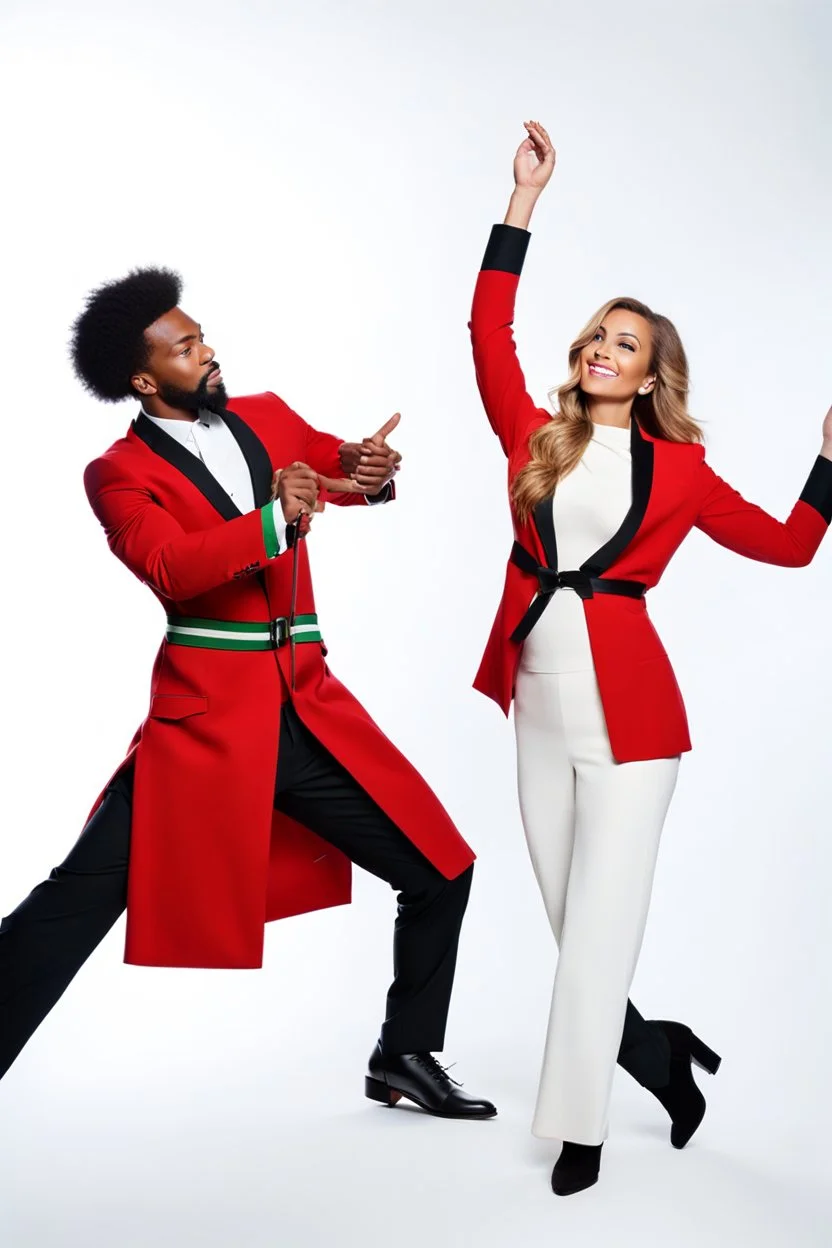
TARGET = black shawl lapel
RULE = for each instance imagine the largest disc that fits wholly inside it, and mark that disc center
(545, 522)
(641, 450)
(257, 458)
(188, 464)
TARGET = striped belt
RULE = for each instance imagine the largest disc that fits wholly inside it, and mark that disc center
(183, 630)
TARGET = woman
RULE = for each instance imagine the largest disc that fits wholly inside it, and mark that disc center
(601, 496)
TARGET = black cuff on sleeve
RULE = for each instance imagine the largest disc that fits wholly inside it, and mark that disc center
(506, 249)
(817, 491)
(383, 496)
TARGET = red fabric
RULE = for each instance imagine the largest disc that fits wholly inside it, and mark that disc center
(644, 711)
(210, 861)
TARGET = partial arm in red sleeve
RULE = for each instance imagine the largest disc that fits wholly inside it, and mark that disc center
(157, 549)
(508, 405)
(321, 454)
(745, 528)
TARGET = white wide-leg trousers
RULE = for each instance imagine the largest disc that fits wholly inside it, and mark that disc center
(593, 828)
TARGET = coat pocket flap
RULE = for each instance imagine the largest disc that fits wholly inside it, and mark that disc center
(177, 705)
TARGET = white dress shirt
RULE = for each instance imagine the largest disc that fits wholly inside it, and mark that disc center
(588, 508)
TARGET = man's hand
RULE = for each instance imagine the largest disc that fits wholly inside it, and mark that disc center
(372, 463)
(296, 488)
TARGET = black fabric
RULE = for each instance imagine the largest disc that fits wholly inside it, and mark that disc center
(256, 456)
(533, 614)
(544, 518)
(48, 938)
(317, 791)
(384, 495)
(641, 450)
(506, 250)
(817, 491)
(645, 1050)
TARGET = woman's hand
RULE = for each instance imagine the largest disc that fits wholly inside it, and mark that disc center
(534, 164)
(826, 449)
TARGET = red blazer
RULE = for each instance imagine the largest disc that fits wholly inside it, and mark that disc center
(673, 490)
(210, 860)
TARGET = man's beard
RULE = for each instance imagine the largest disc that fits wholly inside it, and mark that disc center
(212, 399)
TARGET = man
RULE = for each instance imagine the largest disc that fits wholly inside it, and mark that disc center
(256, 777)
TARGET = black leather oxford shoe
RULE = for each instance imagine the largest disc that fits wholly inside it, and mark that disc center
(420, 1078)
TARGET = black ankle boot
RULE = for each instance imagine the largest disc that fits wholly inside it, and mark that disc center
(576, 1168)
(681, 1097)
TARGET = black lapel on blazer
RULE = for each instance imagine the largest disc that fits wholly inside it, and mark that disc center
(257, 458)
(642, 482)
(187, 463)
(545, 521)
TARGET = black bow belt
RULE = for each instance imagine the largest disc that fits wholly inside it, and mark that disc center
(550, 580)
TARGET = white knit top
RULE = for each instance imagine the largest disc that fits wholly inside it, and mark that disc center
(589, 506)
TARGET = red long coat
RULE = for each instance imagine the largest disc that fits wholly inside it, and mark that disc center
(210, 860)
(673, 490)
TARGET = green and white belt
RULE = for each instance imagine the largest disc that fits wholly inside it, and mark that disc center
(183, 630)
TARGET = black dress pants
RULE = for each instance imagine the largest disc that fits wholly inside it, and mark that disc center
(47, 939)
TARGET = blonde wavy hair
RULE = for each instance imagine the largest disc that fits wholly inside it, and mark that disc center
(558, 445)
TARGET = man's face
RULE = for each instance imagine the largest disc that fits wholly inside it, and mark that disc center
(181, 368)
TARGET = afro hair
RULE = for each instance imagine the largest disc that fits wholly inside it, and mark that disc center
(108, 344)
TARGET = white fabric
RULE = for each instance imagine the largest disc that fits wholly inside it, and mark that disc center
(588, 506)
(209, 438)
(593, 827)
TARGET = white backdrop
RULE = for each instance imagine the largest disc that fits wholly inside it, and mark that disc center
(325, 175)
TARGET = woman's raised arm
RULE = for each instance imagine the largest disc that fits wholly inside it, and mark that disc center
(508, 405)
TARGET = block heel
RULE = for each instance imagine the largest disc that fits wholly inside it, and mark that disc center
(377, 1090)
(703, 1056)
